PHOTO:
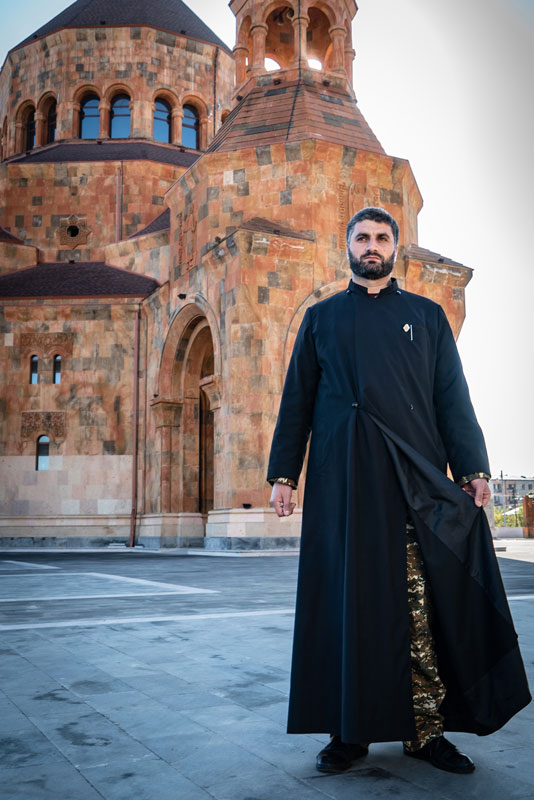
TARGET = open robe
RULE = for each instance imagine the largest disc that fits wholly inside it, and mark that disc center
(379, 383)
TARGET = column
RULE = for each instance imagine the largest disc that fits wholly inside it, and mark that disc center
(203, 133)
(259, 35)
(177, 115)
(40, 120)
(104, 108)
(350, 55)
(240, 55)
(168, 416)
(300, 29)
(337, 34)
(75, 122)
(19, 136)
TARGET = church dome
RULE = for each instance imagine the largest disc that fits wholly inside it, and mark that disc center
(169, 15)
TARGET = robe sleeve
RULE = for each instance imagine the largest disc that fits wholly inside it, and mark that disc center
(296, 407)
(458, 426)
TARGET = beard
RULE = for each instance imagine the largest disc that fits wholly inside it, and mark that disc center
(372, 270)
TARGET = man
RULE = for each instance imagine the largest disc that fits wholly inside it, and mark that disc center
(402, 629)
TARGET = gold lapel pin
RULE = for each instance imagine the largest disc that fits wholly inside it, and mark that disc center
(406, 328)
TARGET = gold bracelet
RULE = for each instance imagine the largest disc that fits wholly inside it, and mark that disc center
(283, 481)
(472, 476)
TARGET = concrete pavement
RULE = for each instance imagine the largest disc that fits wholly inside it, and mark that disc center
(154, 677)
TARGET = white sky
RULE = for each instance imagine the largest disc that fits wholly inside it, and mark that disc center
(446, 85)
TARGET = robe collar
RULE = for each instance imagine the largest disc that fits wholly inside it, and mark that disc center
(391, 288)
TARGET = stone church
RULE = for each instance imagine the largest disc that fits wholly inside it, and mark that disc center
(169, 208)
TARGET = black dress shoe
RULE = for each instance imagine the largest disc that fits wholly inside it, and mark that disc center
(338, 756)
(443, 754)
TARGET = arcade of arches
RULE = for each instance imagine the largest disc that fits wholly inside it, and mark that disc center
(292, 36)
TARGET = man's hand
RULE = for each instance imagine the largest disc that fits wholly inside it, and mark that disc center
(479, 490)
(281, 500)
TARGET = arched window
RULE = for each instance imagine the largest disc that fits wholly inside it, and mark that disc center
(42, 460)
(89, 117)
(119, 118)
(51, 119)
(190, 127)
(57, 369)
(29, 130)
(162, 121)
(34, 369)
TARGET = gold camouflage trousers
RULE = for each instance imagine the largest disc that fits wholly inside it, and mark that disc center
(428, 690)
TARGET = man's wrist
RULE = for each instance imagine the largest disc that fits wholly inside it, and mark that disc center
(473, 476)
(283, 481)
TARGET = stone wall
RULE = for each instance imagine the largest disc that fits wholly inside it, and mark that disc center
(147, 255)
(41, 200)
(87, 417)
(16, 256)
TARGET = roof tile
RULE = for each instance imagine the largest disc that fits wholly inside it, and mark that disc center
(6, 236)
(168, 15)
(82, 279)
(111, 150)
(160, 223)
(293, 112)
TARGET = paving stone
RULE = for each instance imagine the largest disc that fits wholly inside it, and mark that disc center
(26, 748)
(143, 780)
(196, 709)
(45, 783)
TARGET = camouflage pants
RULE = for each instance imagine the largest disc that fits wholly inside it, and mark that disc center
(428, 690)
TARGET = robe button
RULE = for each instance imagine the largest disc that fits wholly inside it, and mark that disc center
(355, 405)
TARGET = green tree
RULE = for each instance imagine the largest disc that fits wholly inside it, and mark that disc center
(512, 520)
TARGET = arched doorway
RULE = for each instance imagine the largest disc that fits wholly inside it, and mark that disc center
(197, 418)
(185, 412)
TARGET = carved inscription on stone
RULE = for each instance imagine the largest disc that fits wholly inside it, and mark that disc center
(47, 344)
(356, 195)
(51, 423)
(178, 237)
(373, 196)
(189, 237)
(342, 214)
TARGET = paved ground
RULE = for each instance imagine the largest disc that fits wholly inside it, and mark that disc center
(142, 676)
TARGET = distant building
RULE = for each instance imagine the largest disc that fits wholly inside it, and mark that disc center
(510, 490)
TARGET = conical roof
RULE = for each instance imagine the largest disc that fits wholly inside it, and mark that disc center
(293, 111)
(168, 15)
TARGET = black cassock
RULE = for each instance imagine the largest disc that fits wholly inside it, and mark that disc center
(379, 383)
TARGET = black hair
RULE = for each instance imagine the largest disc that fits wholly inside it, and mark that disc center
(377, 215)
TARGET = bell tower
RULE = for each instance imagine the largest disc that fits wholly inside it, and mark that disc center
(295, 36)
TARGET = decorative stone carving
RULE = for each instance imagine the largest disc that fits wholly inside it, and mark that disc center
(73, 231)
(47, 344)
(341, 214)
(355, 201)
(167, 413)
(50, 423)
(189, 233)
(212, 387)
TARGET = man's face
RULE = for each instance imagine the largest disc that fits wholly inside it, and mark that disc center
(371, 249)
